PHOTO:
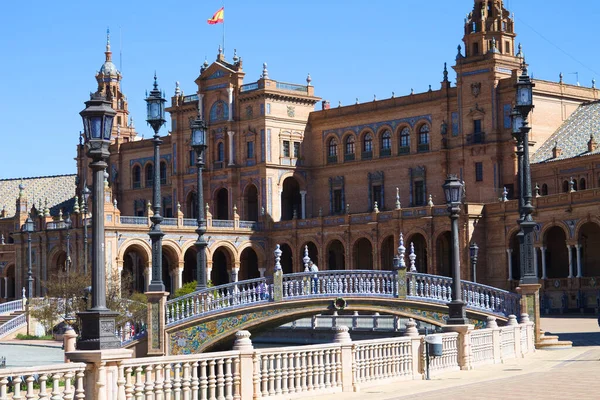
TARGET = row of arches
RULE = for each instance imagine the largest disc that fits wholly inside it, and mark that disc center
(148, 178)
(366, 144)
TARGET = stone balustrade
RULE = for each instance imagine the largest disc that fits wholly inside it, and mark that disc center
(245, 372)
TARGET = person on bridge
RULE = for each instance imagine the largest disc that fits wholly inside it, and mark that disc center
(313, 268)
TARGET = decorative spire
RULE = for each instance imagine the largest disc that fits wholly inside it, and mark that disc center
(339, 103)
(277, 253)
(537, 190)
(393, 95)
(220, 50)
(430, 201)
(265, 73)
(46, 209)
(560, 77)
(494, 48)
(571, 185)
(76, 206)
(445, 73)
(520, 53)
(356, 100)
(374, 97)
(306, 259)
(108, 53)
(308, 79)
(21, 189)
(177, 89)
(155, 81)
(593, 83)
(430, 88)
(235, 56)
(412, 91)
(398, 205)
(375, 207)
(401, 251)
(459, 55)
(412, 256)
(504, 194)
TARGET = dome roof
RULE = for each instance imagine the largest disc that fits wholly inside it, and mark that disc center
(109, 68)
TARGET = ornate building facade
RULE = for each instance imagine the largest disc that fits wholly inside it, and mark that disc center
(346, 181)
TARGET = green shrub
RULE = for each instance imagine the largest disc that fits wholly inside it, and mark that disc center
(187, 288)
(22, 336)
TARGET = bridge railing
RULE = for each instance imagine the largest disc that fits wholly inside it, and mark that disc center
(61, 381)
(354, 282)
(16, 305)
(218, 298)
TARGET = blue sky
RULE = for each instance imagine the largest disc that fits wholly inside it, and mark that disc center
(351, 48)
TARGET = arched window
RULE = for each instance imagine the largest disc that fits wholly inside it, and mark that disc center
(332, 151)
(220, 151)
(582, 184)
(404, 141)
(544, 190)
(163, 173)
(137, 177)
(423, 138)
(565, 186)
(575, 185)
(367, 145)
(349, 148)
(149, 174)
(386, 143)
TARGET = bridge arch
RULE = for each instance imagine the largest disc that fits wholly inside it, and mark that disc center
(362, 254)
(335, 255)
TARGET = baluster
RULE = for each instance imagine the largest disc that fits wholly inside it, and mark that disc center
(228, 381)
(237, 394)
(321, 364)
(271, 369)
(220, 380)
(203, 380)
(264, 375)
(256, 374)
(194, 380)
(129, 378)
(29, 389)
(297, 372)
(17, 388)
(176, 381)
(328, 369)
(139, 384)
(185, 381)
(309, 371)
(149, 386)
(212, 380)
(79, 388)
(303, 370)
(68, 392)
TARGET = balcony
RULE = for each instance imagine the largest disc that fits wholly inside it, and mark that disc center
(349, 157)
(403, 150)
(137, 185)
(476, 138)
(332, 159)
(367, 155)
(385, 153)
(423, 148)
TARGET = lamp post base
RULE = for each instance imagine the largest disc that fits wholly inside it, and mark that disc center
(98, 330)
(456, 313)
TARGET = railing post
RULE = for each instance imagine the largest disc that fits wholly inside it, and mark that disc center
(512, 321)
(416, 350)
(69, 339)
(401, 277)
(496, 339)
(465, 355)
(530, 304)
(277, 276)
(342, 337)
(529, 327)
(156, 320)
(243, 344)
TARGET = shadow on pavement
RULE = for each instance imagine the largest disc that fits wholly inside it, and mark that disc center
(579, 339)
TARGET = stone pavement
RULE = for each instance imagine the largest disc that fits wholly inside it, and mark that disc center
(546, 374)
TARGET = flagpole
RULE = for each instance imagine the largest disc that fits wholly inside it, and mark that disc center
(223, 27)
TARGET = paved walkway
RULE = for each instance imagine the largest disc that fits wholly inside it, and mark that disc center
(546, 374)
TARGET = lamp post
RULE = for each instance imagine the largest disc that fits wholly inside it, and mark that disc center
(68, 224)
(85, 195)
(199, 144)
(29, 227)
(524, 105)
(156, 118)
(473, 251)
(98, 322)
(453, 191)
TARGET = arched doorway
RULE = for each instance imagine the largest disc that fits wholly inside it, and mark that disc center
(191, 204)
(515, 256)
(286, 261)
(190, 264)
(221, 267)
(336, 259)
(313, 254)
(420, 245)
(290, 199)
(248, 265)
(557, 256)
(134, 264)
(10, 282)
(443, 249)
(388, 252)
(169, 269)
(60, 263)
(363, 254)
(222, 204)
(589, 239)
(251, 206)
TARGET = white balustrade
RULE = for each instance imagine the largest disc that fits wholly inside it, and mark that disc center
(60, 381)
(507, 341)
(15, 305)
(379, 359)
(12, 325)
(482, 346)
(358, 282)
(449, 359)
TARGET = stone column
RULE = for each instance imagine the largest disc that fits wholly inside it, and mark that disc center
(179, 282)
(234, 274)
(570, 249)
(535, 260)
(230, 133)
(465, 356)
(230, 102)
(509, 258)
(578, 250)
(200, 105)
(148, 276)
(303, 198)
(543, 248)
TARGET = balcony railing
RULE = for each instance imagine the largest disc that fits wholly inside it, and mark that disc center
(292, 87)
(332, 159)
(423, 147)
(190, 98)
(476, 138)
(367, 155)
(385, 153)
(137, 185)
(169, 221)
(249, 87)
(403, 150)
(348, 157)
(56, 225)
(222, 223)
(129, 220)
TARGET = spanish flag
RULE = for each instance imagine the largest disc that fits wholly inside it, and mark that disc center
(218, 17)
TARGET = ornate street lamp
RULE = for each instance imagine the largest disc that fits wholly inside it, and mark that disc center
(199, 144)
(156, 119)
(473, 252)
(85, 195)
(98, 322)
(453, 191)
(524, 105)
(68, 225)
(29, 228)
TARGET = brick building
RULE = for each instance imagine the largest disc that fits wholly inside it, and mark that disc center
(345, 181)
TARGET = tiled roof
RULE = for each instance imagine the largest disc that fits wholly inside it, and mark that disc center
(573, 135)
(59, 190)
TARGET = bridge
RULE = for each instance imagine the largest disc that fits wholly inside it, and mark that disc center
(200, 320)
